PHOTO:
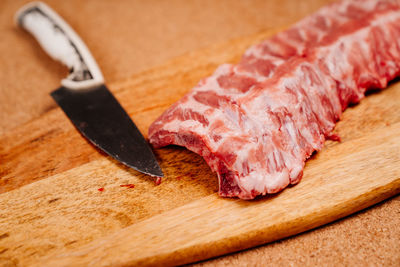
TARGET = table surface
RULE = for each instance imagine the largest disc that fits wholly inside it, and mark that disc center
(138, 35)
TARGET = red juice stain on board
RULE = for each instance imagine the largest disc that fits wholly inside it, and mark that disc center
(101, 189)
(334, 137)
(127, 185)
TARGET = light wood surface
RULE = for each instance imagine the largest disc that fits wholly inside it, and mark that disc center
(52, 211)
(212, 226)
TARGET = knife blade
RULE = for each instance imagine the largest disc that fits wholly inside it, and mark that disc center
(83, 97)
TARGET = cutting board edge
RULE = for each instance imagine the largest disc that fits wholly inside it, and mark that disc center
(238, 242)
(348, 208)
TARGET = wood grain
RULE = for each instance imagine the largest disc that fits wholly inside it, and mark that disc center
(337, 182)
(38, 150)
(64, 219)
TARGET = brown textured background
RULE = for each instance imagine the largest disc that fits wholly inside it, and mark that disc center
(128, 37)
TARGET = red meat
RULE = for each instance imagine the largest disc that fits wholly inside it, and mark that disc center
(255, 123)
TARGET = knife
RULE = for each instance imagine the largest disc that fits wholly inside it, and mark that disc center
(83, 97)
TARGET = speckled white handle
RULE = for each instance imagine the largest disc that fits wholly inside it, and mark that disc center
(61, 42)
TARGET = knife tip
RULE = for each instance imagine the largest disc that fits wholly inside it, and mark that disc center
(154, 170)
(157, 173)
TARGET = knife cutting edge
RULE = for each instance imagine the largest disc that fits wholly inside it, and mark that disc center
(83, 97)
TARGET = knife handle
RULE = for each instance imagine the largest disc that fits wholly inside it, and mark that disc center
(61, 42)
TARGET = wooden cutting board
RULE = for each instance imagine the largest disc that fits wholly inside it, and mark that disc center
(61, 218)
